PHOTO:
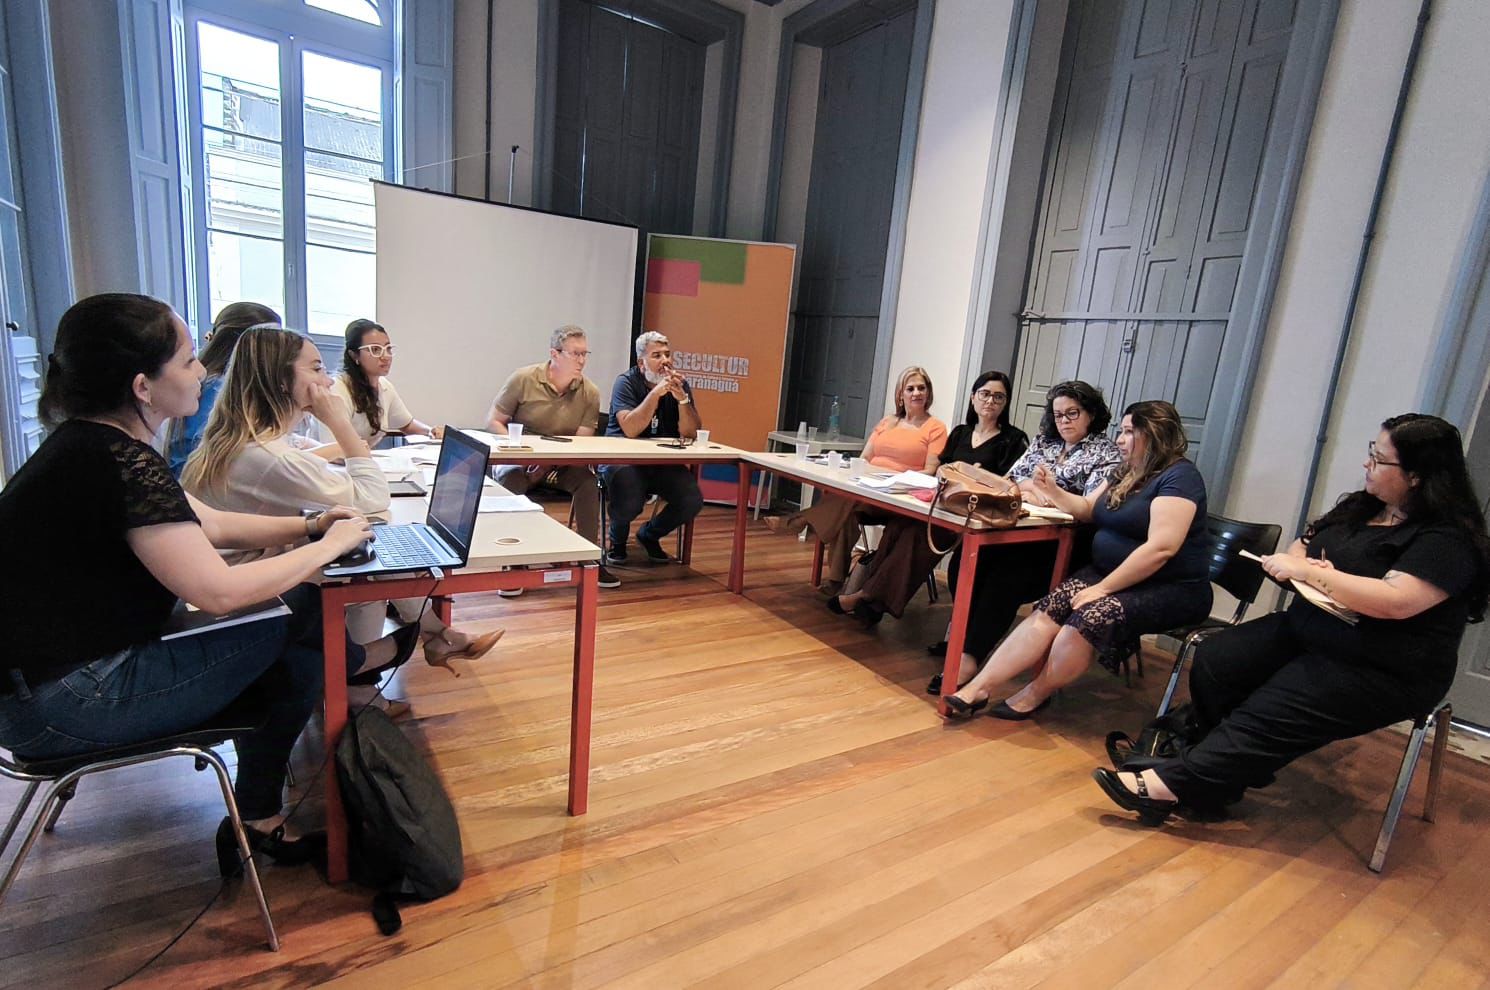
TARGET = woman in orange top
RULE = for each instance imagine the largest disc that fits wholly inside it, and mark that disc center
(910, 440)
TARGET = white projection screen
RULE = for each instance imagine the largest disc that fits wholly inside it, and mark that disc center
(471, 290)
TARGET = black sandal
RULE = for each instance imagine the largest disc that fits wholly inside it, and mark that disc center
(1151, 811)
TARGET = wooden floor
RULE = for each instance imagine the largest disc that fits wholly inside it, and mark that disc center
(776, 803)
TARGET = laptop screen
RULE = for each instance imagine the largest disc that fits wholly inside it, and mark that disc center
(457, 491)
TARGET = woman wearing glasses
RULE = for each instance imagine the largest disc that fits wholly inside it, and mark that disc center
(1148, 571)
(1072, 446)
(1409, 554)
(363, 386)
(903, 558)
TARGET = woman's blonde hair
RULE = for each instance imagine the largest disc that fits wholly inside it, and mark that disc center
(1164, 443)
(905, 375)
(255, 405)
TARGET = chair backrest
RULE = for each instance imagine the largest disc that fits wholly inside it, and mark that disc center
(602, 423)
(1240, 577)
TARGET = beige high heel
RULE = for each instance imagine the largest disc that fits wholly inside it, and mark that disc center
(478, 647)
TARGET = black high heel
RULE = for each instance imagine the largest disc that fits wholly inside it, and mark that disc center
(1003, 711)
(292, 852)
(959, 710)
(835, 606)
(1151, 811)
(868, 613)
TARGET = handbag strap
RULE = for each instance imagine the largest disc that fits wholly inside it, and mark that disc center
(972, 504)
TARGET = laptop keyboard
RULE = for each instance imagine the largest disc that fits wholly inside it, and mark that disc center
(401, 545)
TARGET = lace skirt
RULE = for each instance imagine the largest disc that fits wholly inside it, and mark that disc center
(1113, 623)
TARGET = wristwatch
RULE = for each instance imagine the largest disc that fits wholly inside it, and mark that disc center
(313, 524)
(686, 400)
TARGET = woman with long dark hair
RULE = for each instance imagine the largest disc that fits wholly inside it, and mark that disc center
(903, 558)
(1148, 571)
(363, 387)
(1409, 554)
(1071, 444)
(102, 542)
(232, 320)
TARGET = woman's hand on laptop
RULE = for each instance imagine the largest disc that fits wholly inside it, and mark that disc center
(323, 519)
(345, 535)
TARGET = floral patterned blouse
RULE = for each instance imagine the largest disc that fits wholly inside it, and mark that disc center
(1084, 469)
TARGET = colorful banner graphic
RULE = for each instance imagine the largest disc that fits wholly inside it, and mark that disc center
(723, 306)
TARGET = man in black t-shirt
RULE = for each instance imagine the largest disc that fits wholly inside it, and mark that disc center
(650, 401)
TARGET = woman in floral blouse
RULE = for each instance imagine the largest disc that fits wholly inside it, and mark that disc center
(1072, 445)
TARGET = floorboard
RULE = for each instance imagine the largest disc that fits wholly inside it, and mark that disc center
(775, 803)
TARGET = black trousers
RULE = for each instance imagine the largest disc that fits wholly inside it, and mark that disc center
(628, 488)
(1264, 697)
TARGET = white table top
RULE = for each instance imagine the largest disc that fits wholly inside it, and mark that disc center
(841, 480)
(598, 449)
(507, 539)
(817, 444)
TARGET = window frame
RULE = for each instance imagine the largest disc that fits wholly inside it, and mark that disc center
(296, 29)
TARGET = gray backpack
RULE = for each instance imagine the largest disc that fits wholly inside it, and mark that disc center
(403, 839)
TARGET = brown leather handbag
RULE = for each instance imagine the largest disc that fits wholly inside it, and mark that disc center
(979, 496)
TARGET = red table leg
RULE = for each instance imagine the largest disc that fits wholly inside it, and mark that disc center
(962, 608)
(334, 648)
(586, 594)
(1065, 544)
(442, 606)
(742, 515)
(698, 473)
(817, 562)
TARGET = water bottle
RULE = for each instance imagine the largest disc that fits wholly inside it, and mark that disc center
(833, 420)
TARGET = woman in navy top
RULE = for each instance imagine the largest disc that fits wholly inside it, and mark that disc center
(1148, 570)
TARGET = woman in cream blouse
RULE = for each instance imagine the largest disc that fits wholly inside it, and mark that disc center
(246, 463)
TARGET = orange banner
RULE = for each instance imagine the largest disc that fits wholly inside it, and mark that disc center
(723, 306)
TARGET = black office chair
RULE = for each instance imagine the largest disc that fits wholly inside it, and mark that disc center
(1240, 577)
(63, 774)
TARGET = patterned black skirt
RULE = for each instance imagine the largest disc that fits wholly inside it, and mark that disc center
(1112, 624)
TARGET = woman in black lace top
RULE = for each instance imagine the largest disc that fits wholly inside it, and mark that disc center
(100, 542)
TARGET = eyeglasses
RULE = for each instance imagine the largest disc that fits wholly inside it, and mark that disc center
(378, 350)
(1069, 416)
(1377, 461)
(983, 395)
(577, 355)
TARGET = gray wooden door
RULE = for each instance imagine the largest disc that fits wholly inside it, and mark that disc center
(1471, 692)
(861, 103)
(627, 114)
(1164, 111)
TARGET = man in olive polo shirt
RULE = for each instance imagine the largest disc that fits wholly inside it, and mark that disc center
(555, 399)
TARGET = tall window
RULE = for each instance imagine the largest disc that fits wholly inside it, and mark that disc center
(290, 115)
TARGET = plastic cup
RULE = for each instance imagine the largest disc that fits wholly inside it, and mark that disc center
(802, 449)
(858, 465)
(802, 430)
(514, 432)
(703, 436)
(812, 432)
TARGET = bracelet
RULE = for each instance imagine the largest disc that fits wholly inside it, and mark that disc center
(686, 400)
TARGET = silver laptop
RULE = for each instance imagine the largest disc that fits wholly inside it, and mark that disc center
(444, 538)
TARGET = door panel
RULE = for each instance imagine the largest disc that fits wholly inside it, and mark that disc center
(855, 154)
(1172, 166)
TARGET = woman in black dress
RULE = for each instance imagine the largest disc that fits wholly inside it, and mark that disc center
(904, 558)
(1409, 554)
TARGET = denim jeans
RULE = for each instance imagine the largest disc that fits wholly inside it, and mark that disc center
(167, 687)
(628, 488)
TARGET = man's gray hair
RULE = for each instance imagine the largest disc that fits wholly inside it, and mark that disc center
(559, 337)
(647, 340)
